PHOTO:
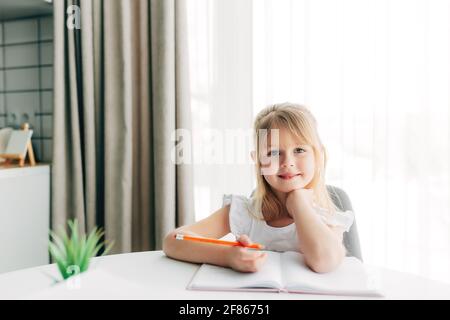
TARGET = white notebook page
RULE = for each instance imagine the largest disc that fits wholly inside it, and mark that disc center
(216, 278)
(351, 277)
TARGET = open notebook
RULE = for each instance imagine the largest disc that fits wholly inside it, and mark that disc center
(287, 272)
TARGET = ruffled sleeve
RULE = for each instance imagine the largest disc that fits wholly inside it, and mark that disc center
(239, 217)
(338, 219)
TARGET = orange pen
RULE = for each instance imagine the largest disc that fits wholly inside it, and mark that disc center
(217, 241)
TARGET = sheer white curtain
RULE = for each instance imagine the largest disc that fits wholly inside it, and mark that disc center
(376, 75)
(220, 53)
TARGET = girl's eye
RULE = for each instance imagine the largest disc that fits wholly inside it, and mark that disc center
(273, 153)
(299, 150)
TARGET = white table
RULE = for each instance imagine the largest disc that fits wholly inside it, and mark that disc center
(166, 278)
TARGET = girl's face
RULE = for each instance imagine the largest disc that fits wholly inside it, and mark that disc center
(287, 164)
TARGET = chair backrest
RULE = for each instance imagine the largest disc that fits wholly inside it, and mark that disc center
(351, 238)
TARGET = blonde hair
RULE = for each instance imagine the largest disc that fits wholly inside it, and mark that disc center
(302, 124)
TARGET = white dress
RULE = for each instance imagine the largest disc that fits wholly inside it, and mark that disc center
(274, 238)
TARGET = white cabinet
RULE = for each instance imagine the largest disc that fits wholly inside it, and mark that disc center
(24, 217)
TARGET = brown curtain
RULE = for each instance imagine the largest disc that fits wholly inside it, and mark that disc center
(121, 89)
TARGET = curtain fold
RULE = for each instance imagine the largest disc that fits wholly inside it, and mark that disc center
(169, 87)
(121, 89)
(142, 161)
(184, 173)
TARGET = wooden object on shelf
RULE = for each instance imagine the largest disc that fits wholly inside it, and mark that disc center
(19, 146)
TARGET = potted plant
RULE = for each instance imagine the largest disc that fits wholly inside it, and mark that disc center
(72, 251)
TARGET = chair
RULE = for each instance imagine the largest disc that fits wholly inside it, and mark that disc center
(351, 238)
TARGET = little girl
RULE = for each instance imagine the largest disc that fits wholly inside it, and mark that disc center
(290, 210)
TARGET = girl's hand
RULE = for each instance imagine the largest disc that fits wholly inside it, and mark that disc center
(245, 260)
(298, 199)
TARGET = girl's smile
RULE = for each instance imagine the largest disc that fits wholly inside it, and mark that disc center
(289, 176)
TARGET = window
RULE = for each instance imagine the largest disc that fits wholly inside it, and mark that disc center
(376, 75)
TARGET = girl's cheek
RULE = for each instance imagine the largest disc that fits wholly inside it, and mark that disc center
(269, 171)
(269, 168)
(271, 180)
(306, 164)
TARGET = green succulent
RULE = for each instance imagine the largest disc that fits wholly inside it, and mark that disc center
(73, 252)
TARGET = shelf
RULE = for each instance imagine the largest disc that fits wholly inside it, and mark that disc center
(43, 114)
(25, 43)
(26, 90)
(27, 67)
